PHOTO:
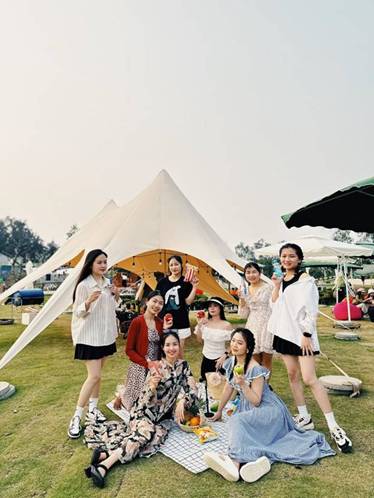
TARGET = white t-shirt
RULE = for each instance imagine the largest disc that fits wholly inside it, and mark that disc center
(98, 325)
(214, 341)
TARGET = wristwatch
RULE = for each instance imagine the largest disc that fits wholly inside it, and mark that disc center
(306, 334)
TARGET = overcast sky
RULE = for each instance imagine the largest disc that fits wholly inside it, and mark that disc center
(255, 108)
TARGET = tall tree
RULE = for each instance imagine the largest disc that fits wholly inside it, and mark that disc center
(20, 244)
(343, 236)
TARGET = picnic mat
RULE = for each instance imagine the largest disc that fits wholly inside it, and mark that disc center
(184, 447)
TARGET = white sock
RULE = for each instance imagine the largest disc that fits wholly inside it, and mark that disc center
(92, 404)
(78, 411)
(330, 419)
(303, 412)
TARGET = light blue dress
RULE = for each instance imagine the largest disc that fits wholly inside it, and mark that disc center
(268, 429)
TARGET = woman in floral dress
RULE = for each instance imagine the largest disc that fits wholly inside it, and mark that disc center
(150, 417)
(255, 305)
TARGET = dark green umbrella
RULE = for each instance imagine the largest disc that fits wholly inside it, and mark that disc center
(350, 208)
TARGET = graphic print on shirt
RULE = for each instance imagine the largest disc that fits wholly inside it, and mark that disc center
(172, 299)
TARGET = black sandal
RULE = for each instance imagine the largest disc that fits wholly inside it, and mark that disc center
(95, 459)
(97, 478)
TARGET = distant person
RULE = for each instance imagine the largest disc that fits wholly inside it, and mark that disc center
(254, 303)
(94, 331)
(178, 296)
(369, 301)
(294, 325)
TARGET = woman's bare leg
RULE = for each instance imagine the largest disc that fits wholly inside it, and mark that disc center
(93, 377)
(308, 372)
(293, 371)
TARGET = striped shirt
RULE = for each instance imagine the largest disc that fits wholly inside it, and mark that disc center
(98, 325)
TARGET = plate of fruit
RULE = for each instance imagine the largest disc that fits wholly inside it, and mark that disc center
(194, 418)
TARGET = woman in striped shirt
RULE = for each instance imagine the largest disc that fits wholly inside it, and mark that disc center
(94, 332)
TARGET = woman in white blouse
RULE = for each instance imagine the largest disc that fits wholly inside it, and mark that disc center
(94, 332)
(214, 332)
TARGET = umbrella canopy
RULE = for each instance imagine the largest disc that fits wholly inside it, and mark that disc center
(329, 261)
(348, 209)
(314, 246)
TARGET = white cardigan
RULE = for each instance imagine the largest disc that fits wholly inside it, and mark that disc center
(295, 311)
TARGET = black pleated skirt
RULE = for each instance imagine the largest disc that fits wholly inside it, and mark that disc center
(286, 347)
(85, 352)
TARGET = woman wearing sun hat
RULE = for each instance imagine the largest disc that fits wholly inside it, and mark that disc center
(214, 332)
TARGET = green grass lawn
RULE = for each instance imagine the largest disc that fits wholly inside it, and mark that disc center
(37, 459)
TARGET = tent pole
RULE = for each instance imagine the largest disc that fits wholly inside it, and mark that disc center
(346, 289)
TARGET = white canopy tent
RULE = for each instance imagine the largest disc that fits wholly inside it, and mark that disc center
(320, 247)
(159, 220)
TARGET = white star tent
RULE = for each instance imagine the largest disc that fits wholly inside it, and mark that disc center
(139, 237)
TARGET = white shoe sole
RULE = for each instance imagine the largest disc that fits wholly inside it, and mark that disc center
(253, 471)
(74, 437)
(222, 465)
(307, 427)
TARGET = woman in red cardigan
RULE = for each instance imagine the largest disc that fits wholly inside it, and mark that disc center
(143, 349)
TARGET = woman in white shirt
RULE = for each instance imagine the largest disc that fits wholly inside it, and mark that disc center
(94, 331)
(294, 325)
(214, 332)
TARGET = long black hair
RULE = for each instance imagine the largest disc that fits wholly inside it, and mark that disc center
(221, 307)
(254, 265)
(250, 343)
(87, 267)
(298, 251)
(164, 336)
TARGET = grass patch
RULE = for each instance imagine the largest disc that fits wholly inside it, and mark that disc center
(37, 459)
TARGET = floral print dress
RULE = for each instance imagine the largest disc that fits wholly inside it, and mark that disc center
(150, 417)
(258, 310)
(136, 374)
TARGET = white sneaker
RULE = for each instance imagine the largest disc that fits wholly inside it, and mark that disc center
(343, 443)
(222, 464)
(303, 423)
(75, 428)
(253, 471)
(97, 415)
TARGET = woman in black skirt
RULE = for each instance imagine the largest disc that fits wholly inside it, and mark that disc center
(94, 332)
(294, 325)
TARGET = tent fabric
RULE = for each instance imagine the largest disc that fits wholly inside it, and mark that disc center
(160, 218)
(145, 265)
(346, 209)
(74, 247)
(314, 246)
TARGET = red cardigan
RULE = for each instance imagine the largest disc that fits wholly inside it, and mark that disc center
(137, 339)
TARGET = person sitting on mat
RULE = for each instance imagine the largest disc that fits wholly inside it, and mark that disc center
(150, 417)
(262, 430)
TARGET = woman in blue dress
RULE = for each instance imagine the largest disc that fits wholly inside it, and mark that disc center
(262, 430)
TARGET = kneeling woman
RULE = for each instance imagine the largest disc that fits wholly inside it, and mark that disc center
(150, 417)
(262, 431)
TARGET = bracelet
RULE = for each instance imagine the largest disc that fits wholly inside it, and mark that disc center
(307, 334)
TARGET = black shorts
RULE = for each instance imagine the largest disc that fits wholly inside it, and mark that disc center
(85, 352)
(207, 365)
(286, 347)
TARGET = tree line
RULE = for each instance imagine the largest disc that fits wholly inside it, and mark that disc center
(20, 244)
